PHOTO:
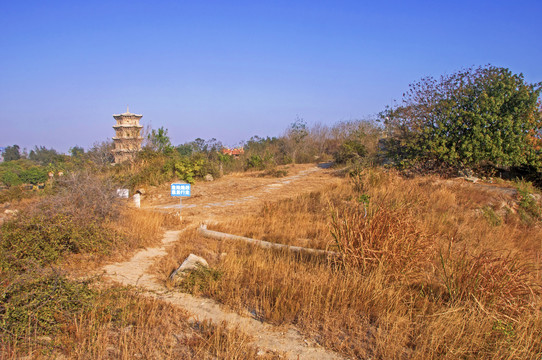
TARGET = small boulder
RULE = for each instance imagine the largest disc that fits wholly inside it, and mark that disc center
(209, 177)
(190, 263)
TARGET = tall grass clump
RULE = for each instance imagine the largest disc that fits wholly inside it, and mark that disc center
(50, 316)
(380, 237)
(500, 282)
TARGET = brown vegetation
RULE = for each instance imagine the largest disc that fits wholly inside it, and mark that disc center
(119, 324)
(426, 272)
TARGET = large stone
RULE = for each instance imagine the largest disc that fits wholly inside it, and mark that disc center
(209, 177)
(190, 263)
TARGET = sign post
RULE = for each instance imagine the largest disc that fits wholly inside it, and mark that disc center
(180, 190)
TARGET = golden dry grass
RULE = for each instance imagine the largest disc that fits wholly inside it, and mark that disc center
(136, 229)
(425, 274)
(124, 325)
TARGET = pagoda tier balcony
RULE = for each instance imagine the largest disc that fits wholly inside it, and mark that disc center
(120, 126)
(125, 150)
(127, 138)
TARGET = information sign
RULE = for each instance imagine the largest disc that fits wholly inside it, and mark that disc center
(180, 189)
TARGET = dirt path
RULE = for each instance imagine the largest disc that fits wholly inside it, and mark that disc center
(217, 200)
(240, 193)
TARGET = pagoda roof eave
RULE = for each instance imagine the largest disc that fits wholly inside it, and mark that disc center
(127, 114)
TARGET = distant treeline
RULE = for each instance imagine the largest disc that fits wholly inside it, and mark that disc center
(486, 119)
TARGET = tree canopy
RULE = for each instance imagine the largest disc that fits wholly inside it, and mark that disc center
(469, 118)
(12, 153)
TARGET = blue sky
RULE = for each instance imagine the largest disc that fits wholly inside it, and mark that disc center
(233, 69)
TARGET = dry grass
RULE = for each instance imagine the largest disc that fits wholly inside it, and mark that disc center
(425, 273)
(135, 229)
(123, 325)
(301, 221)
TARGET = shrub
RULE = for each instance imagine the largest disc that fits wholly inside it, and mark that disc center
(350, 150)
(73, 220)
(471, 117)
(529, 208)
(37, 303)
(259, 162)
(501, 282)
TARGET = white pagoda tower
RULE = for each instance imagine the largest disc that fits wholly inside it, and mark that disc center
(127, 136)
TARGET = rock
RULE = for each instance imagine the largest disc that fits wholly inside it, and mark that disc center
(190, 263)
(11, 212)
(209, 177)
(472, 179)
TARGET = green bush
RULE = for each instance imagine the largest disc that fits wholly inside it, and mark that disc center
(199, 279)
(37, 304)
(259, 162)
(42, 240)
(16, 172)
(350, 151)
(470, 118)
(71, 221)
(529, 208)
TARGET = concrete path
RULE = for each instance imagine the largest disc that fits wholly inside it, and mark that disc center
(134, 272)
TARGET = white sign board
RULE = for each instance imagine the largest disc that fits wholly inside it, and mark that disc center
(123, 193)
(180, 189)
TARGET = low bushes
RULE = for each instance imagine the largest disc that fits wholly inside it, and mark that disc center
(38, 303)
(73, 220)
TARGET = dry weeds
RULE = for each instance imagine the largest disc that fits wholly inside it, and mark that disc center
(123, 325)
(425, 273)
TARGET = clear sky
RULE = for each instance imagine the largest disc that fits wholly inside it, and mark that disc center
(233, 69)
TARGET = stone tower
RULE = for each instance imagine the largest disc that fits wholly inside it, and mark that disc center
(128, 136)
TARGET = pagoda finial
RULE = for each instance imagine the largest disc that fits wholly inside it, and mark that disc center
(127, 109)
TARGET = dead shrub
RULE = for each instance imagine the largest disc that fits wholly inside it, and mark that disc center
(375, 236)
(500, 282)
(83, 195)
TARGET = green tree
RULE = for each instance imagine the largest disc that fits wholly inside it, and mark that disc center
(77, 151)
(471, 117)
(296, 134)
(12, 153)
(43, 155)
(159, 140)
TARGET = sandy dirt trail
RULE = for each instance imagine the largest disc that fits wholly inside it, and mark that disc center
(213, 201)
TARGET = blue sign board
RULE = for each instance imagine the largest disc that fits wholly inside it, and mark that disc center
(180, 189)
